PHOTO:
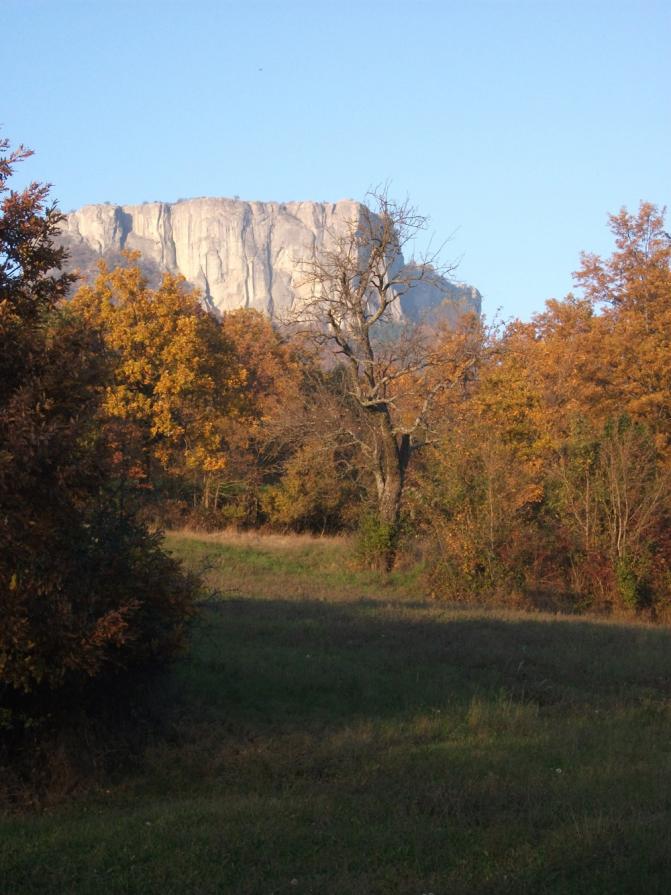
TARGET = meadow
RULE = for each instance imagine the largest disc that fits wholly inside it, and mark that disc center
(334, 731)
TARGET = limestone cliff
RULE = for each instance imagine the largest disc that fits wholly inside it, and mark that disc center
(239, 254)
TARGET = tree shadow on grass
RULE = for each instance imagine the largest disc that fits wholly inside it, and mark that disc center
(472, 753)
(367, 748)
(294, 663)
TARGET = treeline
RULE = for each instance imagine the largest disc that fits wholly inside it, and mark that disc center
(540, 475)
(551, 477)
(212, 421)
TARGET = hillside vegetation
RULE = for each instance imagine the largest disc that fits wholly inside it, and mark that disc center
(332, 731)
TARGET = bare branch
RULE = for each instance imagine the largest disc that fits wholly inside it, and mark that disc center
(387, 375)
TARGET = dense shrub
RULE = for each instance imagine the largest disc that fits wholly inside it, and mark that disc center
(319, 491)
(86, 594)
(375, 540)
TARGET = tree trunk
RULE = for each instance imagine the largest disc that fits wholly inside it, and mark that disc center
(393, 455)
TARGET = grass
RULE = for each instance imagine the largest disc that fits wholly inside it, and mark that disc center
(276, 566)
(331, 732)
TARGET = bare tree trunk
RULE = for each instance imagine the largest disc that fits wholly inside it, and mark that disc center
(390, 384)
(393, 457)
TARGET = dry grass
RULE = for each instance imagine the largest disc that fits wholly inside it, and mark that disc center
(260, 540)
(270, 566)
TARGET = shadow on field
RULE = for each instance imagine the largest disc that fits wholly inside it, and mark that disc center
(429, 750)
(289, 663)
(376, 748)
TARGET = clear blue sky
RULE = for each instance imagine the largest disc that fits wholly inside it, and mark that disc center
(515, 126)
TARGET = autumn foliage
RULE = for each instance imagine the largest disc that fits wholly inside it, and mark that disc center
(550, 483)
(86, 594)
(541, 451)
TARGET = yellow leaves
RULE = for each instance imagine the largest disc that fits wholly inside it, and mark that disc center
(201, 460)
(125, 402)
(529, 494)
(176, 375)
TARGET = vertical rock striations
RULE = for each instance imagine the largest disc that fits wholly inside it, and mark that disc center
(239, 254)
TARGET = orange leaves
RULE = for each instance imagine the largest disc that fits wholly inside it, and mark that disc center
(558, 459)
(272, 372)
(640, 266)
(175, 374)
(630, 345)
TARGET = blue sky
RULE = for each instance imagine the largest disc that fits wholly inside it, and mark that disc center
(515, 126)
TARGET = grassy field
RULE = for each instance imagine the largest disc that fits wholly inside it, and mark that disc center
(332, 732)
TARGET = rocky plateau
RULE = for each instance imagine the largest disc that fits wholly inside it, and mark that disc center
(238, 253)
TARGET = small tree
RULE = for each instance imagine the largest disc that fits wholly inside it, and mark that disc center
(392, 373)
(319, 490)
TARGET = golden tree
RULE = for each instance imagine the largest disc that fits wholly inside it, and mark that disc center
(266, 432)
(176, 378)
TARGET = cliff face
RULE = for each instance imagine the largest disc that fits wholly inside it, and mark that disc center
(239, 254)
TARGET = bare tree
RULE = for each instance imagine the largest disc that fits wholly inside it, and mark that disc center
(391, 373)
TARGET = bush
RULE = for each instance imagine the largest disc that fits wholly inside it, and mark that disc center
(319, 491)
(86, 594)
(632, 585)
(376, 542)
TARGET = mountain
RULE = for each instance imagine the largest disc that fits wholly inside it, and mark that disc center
(237, 253)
